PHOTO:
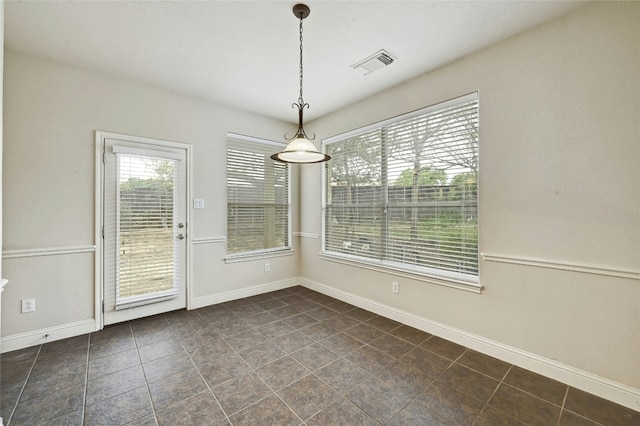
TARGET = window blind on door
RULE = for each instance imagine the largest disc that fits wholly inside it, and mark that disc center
(147, 249)
(403, 193)
(257, 198)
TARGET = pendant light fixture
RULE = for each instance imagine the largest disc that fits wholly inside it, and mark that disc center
(300, 150)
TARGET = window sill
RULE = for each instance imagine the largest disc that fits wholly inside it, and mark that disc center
(247, 257)
(471, 286)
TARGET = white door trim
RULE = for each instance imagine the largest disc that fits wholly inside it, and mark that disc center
(99, 213)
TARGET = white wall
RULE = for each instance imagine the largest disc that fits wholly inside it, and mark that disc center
(559, 181)
(52, 111)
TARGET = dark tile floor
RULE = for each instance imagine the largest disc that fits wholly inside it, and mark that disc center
(290, 357)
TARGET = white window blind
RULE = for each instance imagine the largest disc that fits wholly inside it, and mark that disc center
(403, 193)
(257, 198)
(148, 267)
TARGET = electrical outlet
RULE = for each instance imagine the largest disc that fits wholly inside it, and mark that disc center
(394, 287)
(267, 267)
(28, 305)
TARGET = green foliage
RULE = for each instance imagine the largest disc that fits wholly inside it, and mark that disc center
(426, 177)
(464, 187)
(146, 202)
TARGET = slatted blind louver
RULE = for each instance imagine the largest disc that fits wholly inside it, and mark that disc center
(257, 199)
(146, 253)
(404, 193)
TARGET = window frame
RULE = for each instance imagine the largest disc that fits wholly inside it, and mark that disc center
(286, 250)
(436, 276)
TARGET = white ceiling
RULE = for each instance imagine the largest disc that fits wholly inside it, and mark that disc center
(245, 53)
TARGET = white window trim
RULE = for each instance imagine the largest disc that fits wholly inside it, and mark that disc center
(258, 254)
(439, 277)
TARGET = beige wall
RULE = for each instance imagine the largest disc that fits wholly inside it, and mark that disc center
(559, 181)
(52, 111)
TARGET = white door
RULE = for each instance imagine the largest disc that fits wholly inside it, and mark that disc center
(145, 211)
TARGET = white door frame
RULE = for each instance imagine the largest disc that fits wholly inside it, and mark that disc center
(99, 214)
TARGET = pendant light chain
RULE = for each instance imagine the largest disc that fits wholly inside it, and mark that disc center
(300, 100)
(300, 149)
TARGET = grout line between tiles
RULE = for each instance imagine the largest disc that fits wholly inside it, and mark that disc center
(24, 385)
(492, 393)
(86, 380)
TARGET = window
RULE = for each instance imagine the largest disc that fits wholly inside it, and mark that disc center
(257, 198)
(402, 194)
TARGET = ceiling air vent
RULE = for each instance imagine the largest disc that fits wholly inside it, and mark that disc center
(374, 62)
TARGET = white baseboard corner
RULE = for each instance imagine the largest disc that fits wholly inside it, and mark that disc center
(579, 379)
(201, 302)
(45, 335)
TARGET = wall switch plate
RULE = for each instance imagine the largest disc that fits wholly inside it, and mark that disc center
(267, 267)
(198, 203)
(394, 287)
(28, 305)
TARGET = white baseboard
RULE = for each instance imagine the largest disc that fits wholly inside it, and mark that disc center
(201, 302)
(580, 379)
(45, 335)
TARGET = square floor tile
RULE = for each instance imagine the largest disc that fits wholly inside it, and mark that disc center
(113, 384)
(371, 360)
(378, 399)
(314, 356)
(490, 416)
(293, 341)
(200, 409)
(240, 392)
(470, 382)
(342, 344)
(322, 313)
(166, 366)
(391, 345)
(426, 361)
(360, 314)
(363, 332)
(383, 324)
(416, 414)
(60, 377)
(245, 340)
(600, 410)
(443, 347)
(42, 410)
(410, 334)
(484, 364)
(111, 363)
(540, 386)
(275, 329)
(407, 379)
(342, 375)
(120, 409)
(319, 331)
(524, 407)
(342, 413)
(269, 411)
(308, 396)
(451, 404)
(341, 322)
(173, 389)
(282, 372)
(220, 369)
(300, 321)
(262, 354)
(160, 349)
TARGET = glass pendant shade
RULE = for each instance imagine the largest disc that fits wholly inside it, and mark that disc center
(300, 150)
